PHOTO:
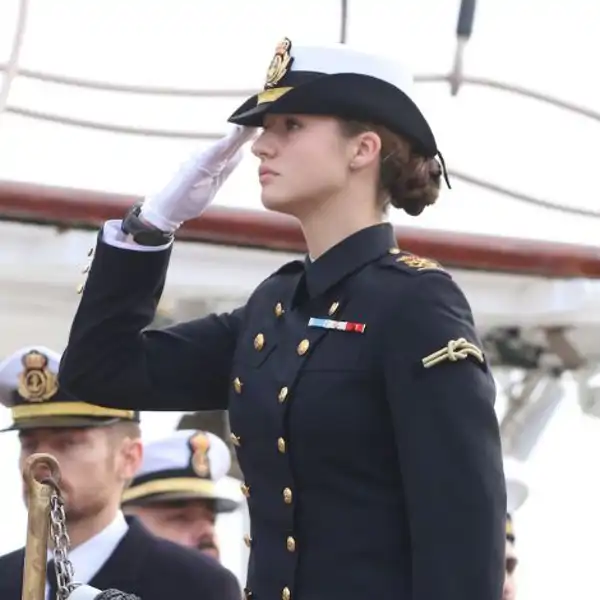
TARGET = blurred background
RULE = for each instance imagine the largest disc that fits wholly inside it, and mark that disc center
(100, 101)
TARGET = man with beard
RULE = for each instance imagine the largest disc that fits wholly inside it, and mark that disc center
(176, 493)
(99, 451)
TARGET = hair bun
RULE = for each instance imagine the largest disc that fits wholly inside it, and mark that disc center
(417, 186)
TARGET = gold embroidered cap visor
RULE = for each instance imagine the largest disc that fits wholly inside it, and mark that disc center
(177, 489)
(338, 81)
(59, 415)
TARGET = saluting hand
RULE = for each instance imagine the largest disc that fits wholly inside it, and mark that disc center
(197, 182)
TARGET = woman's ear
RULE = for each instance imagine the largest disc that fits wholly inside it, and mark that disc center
(365, 149)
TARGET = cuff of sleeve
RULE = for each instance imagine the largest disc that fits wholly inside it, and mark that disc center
(113, 235)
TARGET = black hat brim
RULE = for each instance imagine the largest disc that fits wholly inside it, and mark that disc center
(348, 96)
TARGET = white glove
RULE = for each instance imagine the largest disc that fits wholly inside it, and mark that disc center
(86, 592)
(197, 182)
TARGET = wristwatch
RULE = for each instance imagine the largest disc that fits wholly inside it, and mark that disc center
(141, 232)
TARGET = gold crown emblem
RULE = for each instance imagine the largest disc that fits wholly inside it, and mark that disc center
(200, 444)
(280, 63)
(37, 383)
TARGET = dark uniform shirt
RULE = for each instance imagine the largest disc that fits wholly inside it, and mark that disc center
(143, 565)
(369, 473)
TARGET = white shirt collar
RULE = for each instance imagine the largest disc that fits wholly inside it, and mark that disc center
(89, 557)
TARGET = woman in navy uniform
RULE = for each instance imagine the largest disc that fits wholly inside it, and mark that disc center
(361, 404)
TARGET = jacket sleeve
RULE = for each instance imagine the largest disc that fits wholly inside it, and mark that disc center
(226, 587)
(111, 360)
(448, 443)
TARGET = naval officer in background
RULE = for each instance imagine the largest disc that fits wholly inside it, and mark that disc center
(99, 450)
(177, 493)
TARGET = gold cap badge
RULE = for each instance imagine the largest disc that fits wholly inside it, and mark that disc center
(37, 383)
(200, 444)
(280, 63)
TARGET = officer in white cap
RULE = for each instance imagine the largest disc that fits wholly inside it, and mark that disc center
(99, 450)
(176, 493)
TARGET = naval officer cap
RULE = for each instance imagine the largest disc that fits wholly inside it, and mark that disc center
(29, 388)
(187, 465)
(336, 80)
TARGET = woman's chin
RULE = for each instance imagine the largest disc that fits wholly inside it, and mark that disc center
(274, 201)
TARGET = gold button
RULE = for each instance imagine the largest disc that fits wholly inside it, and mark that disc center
(237, 385)
(259, 342)
(80, 287)
(333, 308)
(247, 540)
(290, 544)
(281, 445)
(245, 490)
(303, 347)
(283, 392)
(287, 496)
(279, 309)
(394, 250)
(235, 439)
(286, 594)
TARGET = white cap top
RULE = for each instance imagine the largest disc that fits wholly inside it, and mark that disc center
(176, 452)
(340, 58)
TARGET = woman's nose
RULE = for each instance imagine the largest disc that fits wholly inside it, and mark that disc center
(263, 147)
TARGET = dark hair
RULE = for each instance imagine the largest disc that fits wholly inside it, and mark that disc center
(407, 180)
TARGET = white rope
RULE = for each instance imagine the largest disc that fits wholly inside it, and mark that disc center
(11, 69)
(99, 126)
(144, 90)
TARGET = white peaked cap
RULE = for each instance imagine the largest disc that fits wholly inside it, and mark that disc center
(186, 465)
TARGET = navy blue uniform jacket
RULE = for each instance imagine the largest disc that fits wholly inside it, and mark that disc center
(143, 565)
(367, 474)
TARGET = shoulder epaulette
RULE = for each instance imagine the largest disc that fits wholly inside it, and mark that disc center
(411, 263)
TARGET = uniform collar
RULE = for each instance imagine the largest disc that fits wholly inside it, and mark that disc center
(348, 256)
(88, 557)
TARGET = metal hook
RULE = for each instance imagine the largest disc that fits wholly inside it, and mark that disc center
(38, 496)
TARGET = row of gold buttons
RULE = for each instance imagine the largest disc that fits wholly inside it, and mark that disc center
(85, 271)
(237, 442)
(286, 594)
(259, 340)
(259, 344)
(286, 493)
(288, 496)
(290, 543)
